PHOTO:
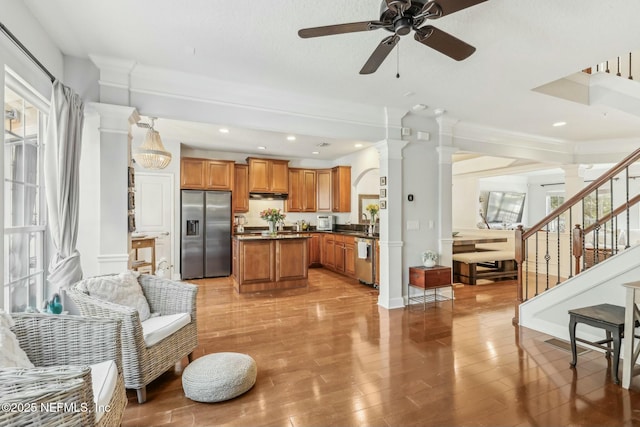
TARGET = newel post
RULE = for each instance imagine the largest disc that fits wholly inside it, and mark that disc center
(576, 242)
(520, 258)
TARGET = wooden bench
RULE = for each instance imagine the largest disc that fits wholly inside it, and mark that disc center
(468, 267)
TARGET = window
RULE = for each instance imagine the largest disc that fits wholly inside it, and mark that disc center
(553, 200)
(596, 206)
(24, 206)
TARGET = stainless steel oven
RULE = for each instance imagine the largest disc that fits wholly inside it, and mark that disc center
(365, 262)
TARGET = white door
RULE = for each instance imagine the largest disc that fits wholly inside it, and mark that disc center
(154, 214)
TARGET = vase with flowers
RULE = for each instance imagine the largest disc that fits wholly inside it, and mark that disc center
(373, 209)
(429, 258)
(272, 216)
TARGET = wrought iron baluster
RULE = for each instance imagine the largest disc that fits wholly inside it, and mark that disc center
(526, 267)
(558, 255)
(536, 265)
(626, 244)
(570, 243)
(547, 257)
(630, 76)
(618, 73)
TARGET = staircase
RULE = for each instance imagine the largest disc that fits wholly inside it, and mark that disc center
(582, 252)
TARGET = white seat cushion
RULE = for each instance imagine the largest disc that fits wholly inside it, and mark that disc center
(483, 256)
(104, 377)
(155, 329)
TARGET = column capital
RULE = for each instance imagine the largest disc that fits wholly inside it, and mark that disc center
(113, 118)
(446, 124)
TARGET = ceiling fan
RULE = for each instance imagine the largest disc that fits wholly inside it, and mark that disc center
(400, 17)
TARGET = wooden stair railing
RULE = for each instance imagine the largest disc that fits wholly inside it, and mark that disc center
(539, 250)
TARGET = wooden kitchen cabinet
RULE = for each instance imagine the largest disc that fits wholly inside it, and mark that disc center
(268, 175)
(339, 253)
(302, 190)
(341, 189)
(192, 173)
(315, 245)
(206, 174)
(350, 256)
(323, 190)
(328, 251)
(220, 175)
(279, 176)
(241, 189)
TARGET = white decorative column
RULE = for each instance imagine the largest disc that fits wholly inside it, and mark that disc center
(573, 183)
(391, 265)
(103, 239)
(445, 185)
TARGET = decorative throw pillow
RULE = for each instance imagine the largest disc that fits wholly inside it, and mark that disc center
(11, 355)
(122, 289)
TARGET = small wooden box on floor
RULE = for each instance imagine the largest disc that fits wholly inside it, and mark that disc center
(430, 277)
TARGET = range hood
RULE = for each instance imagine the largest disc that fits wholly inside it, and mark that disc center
(268, 196)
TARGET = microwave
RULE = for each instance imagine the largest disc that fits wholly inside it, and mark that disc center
(325, 223)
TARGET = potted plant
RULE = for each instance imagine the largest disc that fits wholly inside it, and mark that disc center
(429, 258)
(373, 209)
(272, 216)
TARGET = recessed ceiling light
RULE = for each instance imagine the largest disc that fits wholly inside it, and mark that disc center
(419, 107)
(223, 130)
(291, 138)
(315, 152)
(262, 147)
(409, 93)
(558, 124)
(358, 145)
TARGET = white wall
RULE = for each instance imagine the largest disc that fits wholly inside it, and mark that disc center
(420, 167)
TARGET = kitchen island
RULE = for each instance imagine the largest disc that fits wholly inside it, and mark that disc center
(270, 262)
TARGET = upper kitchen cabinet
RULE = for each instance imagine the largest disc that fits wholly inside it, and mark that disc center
(302, 190)
(268, 175)
(241, 189)
(341, 189)
(205, 174)
(323, 177)
(192, 172)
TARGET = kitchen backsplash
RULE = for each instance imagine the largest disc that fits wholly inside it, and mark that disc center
(257, 206)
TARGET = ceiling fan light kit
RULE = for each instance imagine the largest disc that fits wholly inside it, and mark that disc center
(400, 17)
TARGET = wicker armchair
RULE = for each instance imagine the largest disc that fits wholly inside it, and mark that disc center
(58, 391)
(142, 364)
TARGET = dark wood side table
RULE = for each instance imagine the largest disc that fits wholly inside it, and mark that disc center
(604, 316)
(425, 278)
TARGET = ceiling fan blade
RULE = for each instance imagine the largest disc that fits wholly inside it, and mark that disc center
(330, 30)
(379, 55)
(441, 8)
(444, 42)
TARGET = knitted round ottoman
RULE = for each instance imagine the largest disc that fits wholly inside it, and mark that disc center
(219, 376)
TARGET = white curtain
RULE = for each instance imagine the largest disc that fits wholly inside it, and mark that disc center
(61, 171)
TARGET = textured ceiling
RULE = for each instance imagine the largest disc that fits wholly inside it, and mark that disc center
(520, 45)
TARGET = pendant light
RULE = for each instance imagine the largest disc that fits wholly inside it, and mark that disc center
(152, 154)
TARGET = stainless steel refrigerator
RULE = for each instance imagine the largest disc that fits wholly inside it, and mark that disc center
(205, 234)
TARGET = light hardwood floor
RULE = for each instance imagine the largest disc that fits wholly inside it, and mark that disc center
(329, 356)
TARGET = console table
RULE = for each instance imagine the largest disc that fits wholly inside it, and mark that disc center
(143, 264)
(425, 278)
